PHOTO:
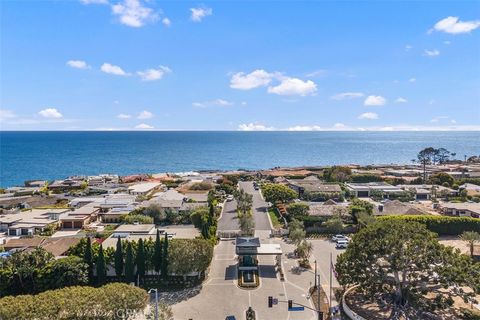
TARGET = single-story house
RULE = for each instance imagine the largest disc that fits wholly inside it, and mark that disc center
(363, 190)
(29, 222)
(142, 189)
(327, 209)
(56, 246)
(464, 209)
(396, 207)
(176, 232)
(79, 218)
(472, 189)
(64, 185)
(312, 185)
(425, 191)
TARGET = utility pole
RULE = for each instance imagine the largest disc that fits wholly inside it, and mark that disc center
(320, 316)
(315, 275)
(331, 264)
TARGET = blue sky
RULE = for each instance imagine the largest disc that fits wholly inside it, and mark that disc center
(176, 65)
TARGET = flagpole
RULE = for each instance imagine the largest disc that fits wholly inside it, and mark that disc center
(330, 280)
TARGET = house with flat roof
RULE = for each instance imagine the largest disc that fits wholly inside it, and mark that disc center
(425, 191)
(29, 222)
(79, 218)
(311, 186)
(142, 189)
(364, 190)
(463, 209)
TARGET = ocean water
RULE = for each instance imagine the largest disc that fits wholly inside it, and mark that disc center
(51, 155)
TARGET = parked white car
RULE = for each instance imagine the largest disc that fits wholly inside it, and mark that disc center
(339, 237)
(341, 244)
(229, 197)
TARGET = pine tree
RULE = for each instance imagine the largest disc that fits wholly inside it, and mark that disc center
(119, 258)
(140, 259)
(129, 265)
(88, 258)
(157, 254)
(165, 257)
(101, 267)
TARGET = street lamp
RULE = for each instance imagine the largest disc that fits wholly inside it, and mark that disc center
(156, 301)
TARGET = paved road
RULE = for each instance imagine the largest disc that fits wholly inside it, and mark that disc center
(219, 296)
(259, 206)
(229, 220)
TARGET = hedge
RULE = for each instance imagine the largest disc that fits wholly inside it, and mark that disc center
(442, 225)
(112, 301)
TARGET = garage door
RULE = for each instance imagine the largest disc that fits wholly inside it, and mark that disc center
(77, 224)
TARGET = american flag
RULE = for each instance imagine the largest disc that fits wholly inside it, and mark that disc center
(333, 269)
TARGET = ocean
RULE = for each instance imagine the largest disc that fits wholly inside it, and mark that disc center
(52, 155)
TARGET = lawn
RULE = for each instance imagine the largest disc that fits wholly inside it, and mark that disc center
(274, 217)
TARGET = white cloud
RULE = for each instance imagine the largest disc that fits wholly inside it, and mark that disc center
(145, 115)
(446, 42)
(153, 74)
(368, 115)
(412, 80)
(197, 14)
(347, 95)
(124, 116)
(133, 13)
(294, 86)
(453, 25)
(375, 101)
(144, 126)
(216, 102)
(431, 53)
(113, 69)
(50, 113)
(401, 100)
(317, 73)
(6, 114)
(438, 118)
(304, 128)
(254, 127)
(78, 64)
(94, 1)
(166, 22)
(339, 126)
(255, 79)
(408, 47)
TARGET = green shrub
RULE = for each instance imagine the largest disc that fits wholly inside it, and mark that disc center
(108, 302)
(443, 225)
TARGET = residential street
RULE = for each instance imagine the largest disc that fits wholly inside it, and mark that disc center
(229, 221)
(259, 206)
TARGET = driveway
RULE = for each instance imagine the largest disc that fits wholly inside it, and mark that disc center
(259, 206)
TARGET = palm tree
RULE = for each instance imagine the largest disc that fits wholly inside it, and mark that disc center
(471, 238)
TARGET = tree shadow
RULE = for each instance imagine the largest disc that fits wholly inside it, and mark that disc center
(231, 272)
(267, 271)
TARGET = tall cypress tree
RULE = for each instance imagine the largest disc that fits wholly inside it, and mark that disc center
(140, 259)
(129, 265)
(88, 258)
(101, 267)
(165, 257)
(157, 254)
(119, 258)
